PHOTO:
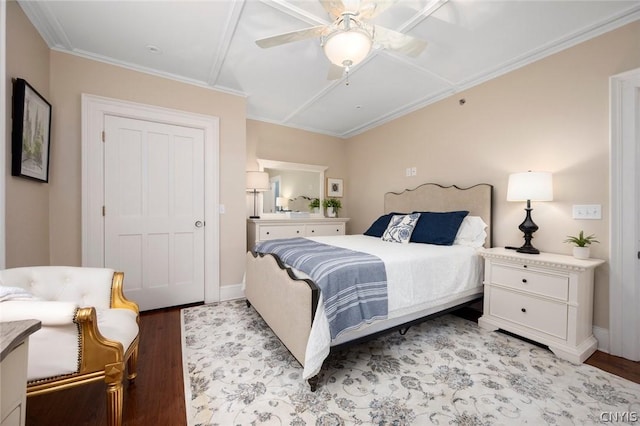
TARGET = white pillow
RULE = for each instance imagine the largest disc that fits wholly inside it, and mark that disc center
(471, 232)
(400, 228)
(14, 293)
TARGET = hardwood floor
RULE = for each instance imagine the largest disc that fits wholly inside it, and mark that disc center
(157, 395)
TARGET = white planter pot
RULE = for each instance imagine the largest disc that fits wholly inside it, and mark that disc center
(581, 252)
(331, 212)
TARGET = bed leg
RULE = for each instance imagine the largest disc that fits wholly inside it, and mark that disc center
(403, 331)
(313, 382)
(248, 303)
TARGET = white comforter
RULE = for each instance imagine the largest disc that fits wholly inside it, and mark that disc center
(419, 276)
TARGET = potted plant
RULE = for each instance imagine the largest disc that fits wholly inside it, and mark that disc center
(314, 205)
(581, 243)
(332, 205)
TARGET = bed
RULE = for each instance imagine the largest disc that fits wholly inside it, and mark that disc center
(292, 305)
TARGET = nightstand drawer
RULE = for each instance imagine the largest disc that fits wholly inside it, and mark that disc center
(531, 281)
(282, 231)
(541, 315)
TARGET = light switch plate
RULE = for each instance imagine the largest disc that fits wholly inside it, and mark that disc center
(587, 211)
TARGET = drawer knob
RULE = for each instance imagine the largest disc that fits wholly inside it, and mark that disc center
(297, 232)
(313, 230)
(524, 310)
(524, 266)
(268, 232)
(524, 280)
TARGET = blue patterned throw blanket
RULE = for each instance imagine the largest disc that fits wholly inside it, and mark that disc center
(353, 284)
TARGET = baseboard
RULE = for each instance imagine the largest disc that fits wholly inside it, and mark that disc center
(602, 336)
(230, 292)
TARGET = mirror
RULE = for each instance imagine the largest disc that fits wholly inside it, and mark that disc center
(293, 187)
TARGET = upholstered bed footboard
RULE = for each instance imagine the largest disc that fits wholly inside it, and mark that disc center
(286, 303)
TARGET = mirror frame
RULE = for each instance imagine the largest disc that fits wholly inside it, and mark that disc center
(273, 164)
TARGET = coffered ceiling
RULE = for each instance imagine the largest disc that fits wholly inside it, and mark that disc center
(212, 44)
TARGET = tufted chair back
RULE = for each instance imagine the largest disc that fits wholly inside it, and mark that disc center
(82, 286)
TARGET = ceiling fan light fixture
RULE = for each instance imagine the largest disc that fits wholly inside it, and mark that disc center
(347, 47)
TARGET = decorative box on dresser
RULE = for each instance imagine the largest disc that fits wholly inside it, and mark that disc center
(271, 229)
(545, 297)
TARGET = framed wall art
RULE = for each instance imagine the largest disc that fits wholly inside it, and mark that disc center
(31, 133)
(335, 187)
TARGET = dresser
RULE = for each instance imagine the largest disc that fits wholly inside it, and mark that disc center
(270, 229)
(13, 370)
(547, 298)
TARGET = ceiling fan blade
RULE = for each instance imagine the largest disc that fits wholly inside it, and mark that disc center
(398, 42)
(291, 37)
(334, 7)
(335, 72)
(369, 9)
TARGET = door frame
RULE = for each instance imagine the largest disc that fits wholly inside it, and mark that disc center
(624, 282)
(3, 122)
(94, 109)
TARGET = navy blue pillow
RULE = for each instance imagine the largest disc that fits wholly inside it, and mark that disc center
(378, 227)
(438, 227)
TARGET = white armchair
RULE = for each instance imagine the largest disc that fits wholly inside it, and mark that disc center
(89, 329)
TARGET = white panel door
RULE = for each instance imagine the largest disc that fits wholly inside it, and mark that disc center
(154, 210)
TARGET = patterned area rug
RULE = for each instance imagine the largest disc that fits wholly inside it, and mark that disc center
(446, 371)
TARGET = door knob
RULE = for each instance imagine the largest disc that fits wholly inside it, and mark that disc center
(199, 224)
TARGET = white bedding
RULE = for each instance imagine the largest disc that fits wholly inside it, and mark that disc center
(419, 276)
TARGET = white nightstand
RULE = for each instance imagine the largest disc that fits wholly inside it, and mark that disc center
(546, 297)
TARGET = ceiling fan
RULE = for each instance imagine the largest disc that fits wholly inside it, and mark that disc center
(349, 39)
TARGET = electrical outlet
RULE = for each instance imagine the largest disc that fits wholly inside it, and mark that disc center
(414, 171)
(587, 211)
(408, 172)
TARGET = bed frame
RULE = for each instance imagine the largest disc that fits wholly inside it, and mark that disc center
(289, 307)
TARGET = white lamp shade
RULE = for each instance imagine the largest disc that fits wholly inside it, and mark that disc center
(534, 186)
(347, 48)
(258, 181)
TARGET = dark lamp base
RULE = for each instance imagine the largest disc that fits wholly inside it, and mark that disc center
(529, 249)
(254, 217)
(528, 227)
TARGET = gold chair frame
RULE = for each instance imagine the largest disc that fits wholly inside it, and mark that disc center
(99, 358)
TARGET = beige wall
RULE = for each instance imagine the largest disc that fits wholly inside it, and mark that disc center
(71, 76)
(44, 220)
(552, 115)
(27, 201)
(274, 142)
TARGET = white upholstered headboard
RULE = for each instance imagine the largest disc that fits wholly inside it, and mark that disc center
(433, 197)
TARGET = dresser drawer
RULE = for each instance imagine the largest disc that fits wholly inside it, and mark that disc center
(531, 281)
(541, 315)
(281, 231)
(317, 230)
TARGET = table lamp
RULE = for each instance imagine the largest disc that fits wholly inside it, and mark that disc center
(281, 203)
(257, 182)
(529, 186)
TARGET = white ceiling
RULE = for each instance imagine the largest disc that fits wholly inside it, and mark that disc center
(212, 44)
